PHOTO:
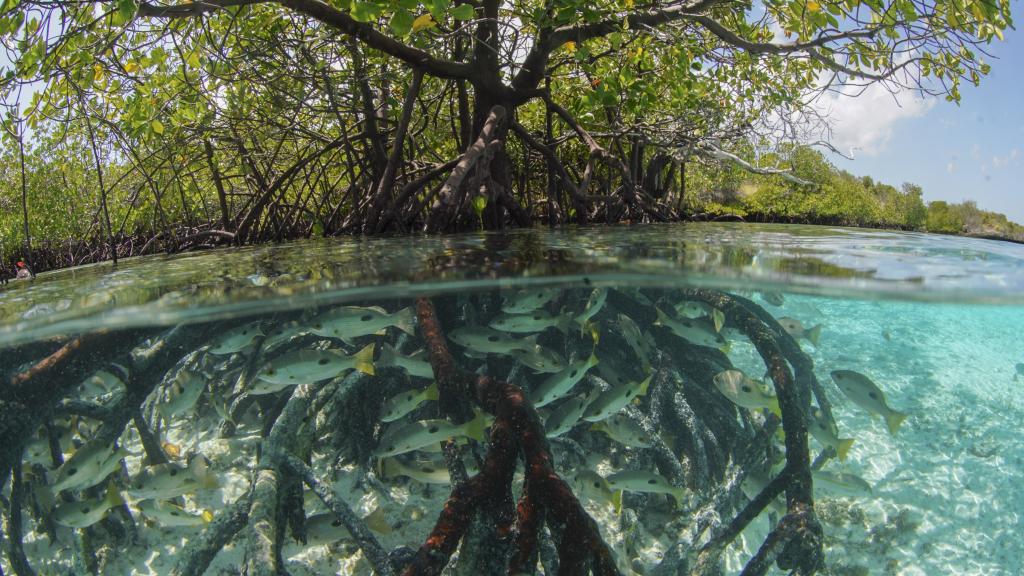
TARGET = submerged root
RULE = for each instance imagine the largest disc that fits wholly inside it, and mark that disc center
(711, 447)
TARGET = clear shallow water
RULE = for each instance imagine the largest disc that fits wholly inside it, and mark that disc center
(934, 322)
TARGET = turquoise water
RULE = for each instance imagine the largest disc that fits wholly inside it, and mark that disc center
(933, 321)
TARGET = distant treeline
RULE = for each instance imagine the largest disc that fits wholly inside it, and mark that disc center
(836, 197)
(66, 216)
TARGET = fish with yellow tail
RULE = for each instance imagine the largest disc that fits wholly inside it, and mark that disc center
(568, 413)
(699, 332)
(624, 430)
(85, 513)
(309, 366)
(796, 329)
(745, 392)
(171, 515)
(325, 528)
(697, 310)
(349, 322)
(88, 466)
(614, 399)
(414, 365)
(647, 482)
(594, 487)
(636, 340)
(868, 396)
(405, 402)
(171, 480)
(595, 302)
(181, 394)
(540, 359)
(825, 431)
(402, 438)
(560, 384)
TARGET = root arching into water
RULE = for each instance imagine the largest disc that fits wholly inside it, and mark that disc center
(698, 440)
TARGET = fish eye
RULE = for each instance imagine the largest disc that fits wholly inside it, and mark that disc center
(336, 523)
(318, 326)
(175, 513)
(652, 481)
(747, 388)
(72, 471)
(270, 372)
(366, 318)
(573, 373)
(492, 338)
(390, 448)
(85, 509)
(428, 470)
(292, 377)
(597, 484)
(873, 395)
(322, 361)
(537, 316)
(432, 429)
(174, 472)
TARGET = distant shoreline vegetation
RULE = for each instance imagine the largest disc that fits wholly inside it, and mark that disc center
(64, 219)
(836, 198)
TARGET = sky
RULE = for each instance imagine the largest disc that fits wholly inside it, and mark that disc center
(974, 151)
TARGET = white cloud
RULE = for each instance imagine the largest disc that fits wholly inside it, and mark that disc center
(1004, 161)
(951, 167)
(864, 122)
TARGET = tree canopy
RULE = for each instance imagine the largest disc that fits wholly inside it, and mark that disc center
(252, 120)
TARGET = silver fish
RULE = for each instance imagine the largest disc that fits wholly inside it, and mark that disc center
(643, 481)
(826, 432)
(540, 359)
(695, 331)
(402, 438)
(85, 513)
(868, 396)
(594, 305)
(561, 384)
(404, 402)
(182, 394)
(536, 321)
(636, 340)
(840, 483)
(773, 298)
(795, 328)
(88, 466)
(595, 487)
(309, 366)
(524, 301)
(236, 340)
(490, 341)
(349, 322)
(744, 391)
(697, 310)
(415, 365)
(568, 413)
(169, 480)
(325, 528)
(614, 399)
(624, 430)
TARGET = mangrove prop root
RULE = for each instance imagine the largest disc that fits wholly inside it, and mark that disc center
(367, 542)
(545, 495)
(798, 534)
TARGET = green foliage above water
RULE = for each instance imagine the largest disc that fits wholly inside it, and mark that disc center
(836, 197)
